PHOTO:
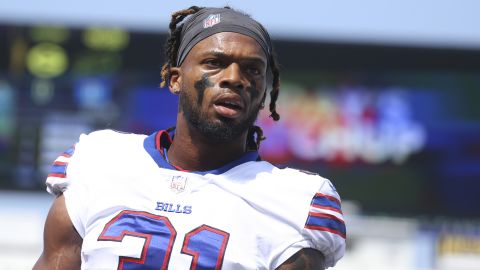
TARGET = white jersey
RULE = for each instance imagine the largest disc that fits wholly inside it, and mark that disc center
(135, 211)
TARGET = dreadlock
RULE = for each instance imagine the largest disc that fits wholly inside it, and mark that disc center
(173, 42)
(255, 133)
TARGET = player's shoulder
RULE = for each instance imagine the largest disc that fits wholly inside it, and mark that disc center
(107, 135)
(298, 174)
(108, 138)
(102, 145)
(265, 166)
(312, 181)
(288, 179)
(265, 169)
(295, 171)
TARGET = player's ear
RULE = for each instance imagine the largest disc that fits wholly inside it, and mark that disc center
(175, 80)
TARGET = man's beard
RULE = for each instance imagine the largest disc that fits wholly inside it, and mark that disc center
(221, 131)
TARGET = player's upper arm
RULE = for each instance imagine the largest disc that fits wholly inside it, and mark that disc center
(305, 259)
(62, 243)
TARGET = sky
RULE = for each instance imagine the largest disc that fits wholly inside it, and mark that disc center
(446, 23)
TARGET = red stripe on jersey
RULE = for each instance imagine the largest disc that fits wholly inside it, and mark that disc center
(60, 163)
(326, 216)
(320, 228)
(331, 198)
(58, 175)
(328, 208)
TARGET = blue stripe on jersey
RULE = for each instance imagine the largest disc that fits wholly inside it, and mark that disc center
(149, 145)
(69, 151)
(58, 169)
(325, 201)
(326, 222)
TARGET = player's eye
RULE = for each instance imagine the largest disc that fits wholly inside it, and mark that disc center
(254, 70)
(213, 63)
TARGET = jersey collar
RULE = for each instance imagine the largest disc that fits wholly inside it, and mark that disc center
(157, 146)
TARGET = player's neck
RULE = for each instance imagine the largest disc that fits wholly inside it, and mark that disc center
(192, 151)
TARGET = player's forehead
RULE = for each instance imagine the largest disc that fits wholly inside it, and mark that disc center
(229, 44)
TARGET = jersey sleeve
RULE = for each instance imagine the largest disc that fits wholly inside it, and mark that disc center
(66, 178)
(57, 180)
(311, 218)
(325, 226)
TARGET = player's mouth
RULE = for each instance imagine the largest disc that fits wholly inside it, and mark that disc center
(229, 105)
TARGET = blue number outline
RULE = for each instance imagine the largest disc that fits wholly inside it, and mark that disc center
(196, 254)
(147, 237)
(187, 241)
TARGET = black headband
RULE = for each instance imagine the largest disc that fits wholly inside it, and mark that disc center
(209, 21)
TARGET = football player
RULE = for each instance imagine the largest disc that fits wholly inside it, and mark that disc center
(197, 196)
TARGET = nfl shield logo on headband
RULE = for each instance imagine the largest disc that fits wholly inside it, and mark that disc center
(211, 20)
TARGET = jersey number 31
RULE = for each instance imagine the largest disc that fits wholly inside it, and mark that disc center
(205, 244)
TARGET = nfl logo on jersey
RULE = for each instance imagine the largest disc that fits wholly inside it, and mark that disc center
(211, 20)
(178, 184)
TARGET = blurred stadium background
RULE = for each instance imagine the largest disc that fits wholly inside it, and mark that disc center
(382, 98)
